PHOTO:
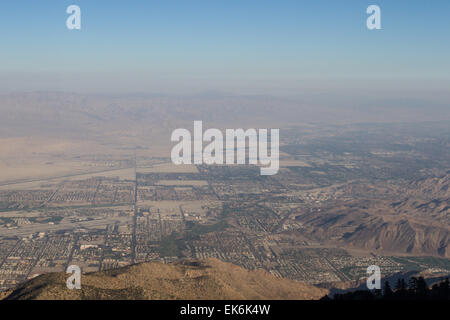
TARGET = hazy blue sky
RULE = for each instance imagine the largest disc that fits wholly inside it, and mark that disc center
(239, 45)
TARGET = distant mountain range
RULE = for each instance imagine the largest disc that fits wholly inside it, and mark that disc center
(78, 115)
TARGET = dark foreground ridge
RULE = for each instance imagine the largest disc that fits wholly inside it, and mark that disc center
(416, 289)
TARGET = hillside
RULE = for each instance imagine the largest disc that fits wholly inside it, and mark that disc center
(413, 219)
(190, 279)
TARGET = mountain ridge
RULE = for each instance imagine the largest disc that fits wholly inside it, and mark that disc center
(208, 279)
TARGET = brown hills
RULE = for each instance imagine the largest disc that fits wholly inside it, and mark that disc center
(188, 279)
(415, 220)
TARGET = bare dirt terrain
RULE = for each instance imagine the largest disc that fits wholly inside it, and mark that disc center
(186, 280)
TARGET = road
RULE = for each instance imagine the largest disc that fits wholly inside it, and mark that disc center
(133, 238)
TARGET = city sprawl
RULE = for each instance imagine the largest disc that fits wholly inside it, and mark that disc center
(344, 199)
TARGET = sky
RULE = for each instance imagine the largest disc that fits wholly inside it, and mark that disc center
(245, 46)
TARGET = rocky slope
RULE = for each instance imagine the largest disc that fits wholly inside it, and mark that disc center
(416, 222)
(190, 279)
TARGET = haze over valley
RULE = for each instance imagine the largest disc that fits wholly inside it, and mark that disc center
(88, 180)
